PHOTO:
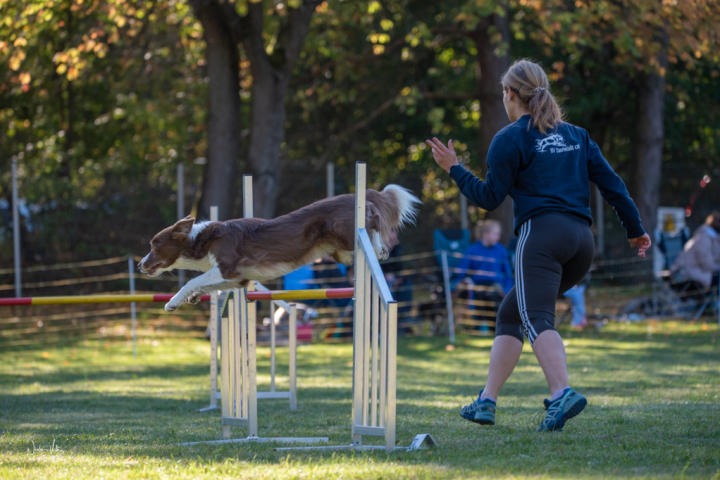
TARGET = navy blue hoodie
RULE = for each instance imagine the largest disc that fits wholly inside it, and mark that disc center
(547, 173)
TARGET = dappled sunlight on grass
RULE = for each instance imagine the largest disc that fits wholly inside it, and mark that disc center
(89, 410)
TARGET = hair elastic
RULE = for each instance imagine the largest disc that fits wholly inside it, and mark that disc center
(538, 89)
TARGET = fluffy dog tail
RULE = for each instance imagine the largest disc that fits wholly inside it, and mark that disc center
(404, 203)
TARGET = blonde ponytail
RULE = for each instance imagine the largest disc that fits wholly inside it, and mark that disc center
(528, 80)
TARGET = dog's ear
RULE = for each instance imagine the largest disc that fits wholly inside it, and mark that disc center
(184, 226)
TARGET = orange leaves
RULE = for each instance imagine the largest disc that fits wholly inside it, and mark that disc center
(71, 63)
(16, 60)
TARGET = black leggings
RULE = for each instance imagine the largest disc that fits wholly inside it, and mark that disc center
(554, 252)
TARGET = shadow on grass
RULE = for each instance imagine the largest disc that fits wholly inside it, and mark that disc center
(142, 421)
(116, 373)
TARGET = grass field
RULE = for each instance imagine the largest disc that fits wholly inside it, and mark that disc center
(89, 410)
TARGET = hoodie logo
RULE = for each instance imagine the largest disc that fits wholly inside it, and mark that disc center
(556, 142)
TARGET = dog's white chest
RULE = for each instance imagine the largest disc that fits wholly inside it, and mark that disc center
(203, 265)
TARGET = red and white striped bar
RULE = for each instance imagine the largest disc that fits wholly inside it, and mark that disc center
(7, 302)
(318, 294)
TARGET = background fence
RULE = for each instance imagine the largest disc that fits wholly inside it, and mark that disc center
(618, 289)
(65, 250)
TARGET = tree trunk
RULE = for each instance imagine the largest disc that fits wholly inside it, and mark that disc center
(222, 56)
(494, 60)
(649, 144)
(271, 76)
(266, 137)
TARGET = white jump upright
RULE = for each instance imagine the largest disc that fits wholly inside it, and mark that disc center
(374, 330)
(214, 317)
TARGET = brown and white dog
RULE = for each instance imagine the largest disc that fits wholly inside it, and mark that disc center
(234, 252)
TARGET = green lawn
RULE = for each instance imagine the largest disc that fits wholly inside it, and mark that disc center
(89, 410)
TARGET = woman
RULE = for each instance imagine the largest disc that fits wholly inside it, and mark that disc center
(544, 164)
(700, 259)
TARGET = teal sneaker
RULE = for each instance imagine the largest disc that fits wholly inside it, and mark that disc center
(562, 410)
(480, 411)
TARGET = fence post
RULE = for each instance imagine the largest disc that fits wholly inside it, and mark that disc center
(131, 270)
(448, 297)
(16, 230)
(181, 210)
(463, 212)
(330, 179)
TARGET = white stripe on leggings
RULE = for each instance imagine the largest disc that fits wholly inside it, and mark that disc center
(522, 305)
(518, 281)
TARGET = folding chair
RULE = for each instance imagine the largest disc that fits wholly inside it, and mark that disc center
(693, 297)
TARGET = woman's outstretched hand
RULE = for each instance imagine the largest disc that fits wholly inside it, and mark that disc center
(643, 243)
(444, 156)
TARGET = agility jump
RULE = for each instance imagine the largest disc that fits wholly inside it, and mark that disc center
(374, 345)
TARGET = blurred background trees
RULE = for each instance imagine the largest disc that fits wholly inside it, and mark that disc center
(100, 100)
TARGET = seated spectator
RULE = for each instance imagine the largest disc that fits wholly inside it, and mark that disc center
(486, 262)
(576, 295)
(700, 259)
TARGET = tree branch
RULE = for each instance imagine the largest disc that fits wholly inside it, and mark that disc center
(293, 32)
(357, 126)
(362, 59)
(448, 96)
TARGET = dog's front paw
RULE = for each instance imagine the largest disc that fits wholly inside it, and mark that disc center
(170, 307)
(194, 298)
(384, 254)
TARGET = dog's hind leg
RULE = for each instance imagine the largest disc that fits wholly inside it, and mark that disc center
(373, 225)
(381, 251)
(346, 257)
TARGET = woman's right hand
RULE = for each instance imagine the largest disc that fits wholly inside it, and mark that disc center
(643, 243)
(444, 156)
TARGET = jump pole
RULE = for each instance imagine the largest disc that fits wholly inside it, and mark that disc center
(67, 300)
